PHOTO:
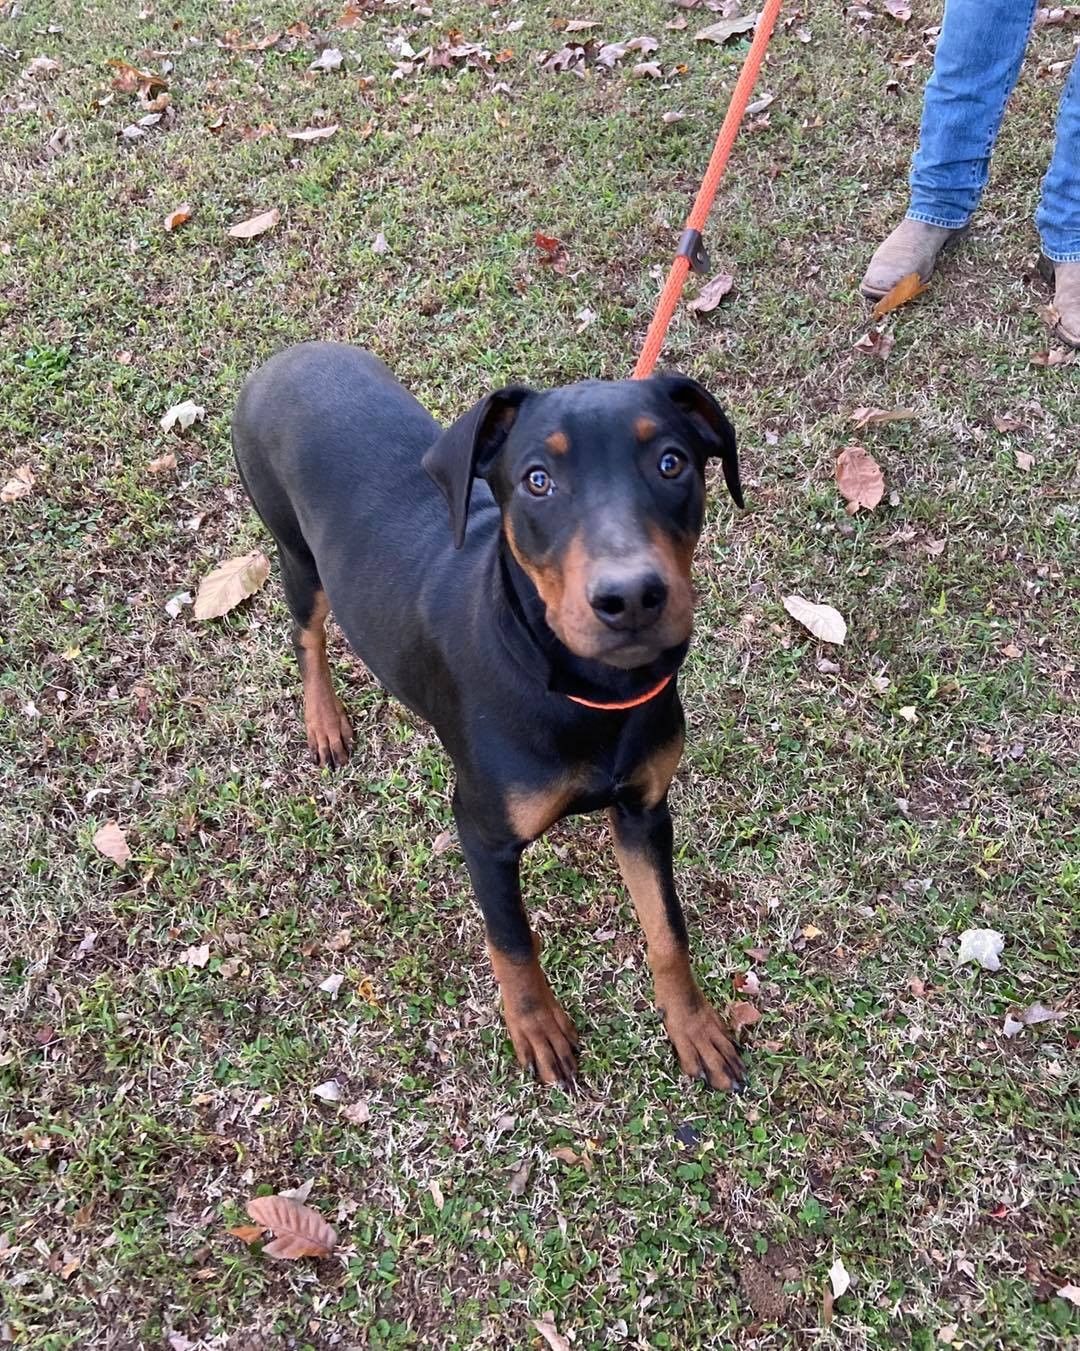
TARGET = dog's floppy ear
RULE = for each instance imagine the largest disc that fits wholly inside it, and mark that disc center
(715, 432)
(468, 448)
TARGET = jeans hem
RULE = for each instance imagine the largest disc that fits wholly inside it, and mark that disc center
(925, 218)
(1061, 257)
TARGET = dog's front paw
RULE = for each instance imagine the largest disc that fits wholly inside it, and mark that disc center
(702, 1043)
(544, 1038)
(329, 734)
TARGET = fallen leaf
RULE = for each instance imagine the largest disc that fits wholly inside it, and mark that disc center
(905, 290)
(339, 941)
(983, 946)
(712, 294)
(584, 317)
(646, 45)
(357, 1113)
(746, 982)
(1007, 424)
(436, 1194)
(740, 1015)
(552, 252)
(875, 343)
(1011, 651)
(673, 116)
(379, 244)
(87, 943)
(442, 842)
(174, 605)
(300, 1193)
(865, 417)
(350, 16)
(550, 1333)
(1039, 1013)
(329, 58)
(178, 217)
(1012, 1027)
(1071, 1293)
(908, 713)
(1057, 356)
(823, 621)
(40, 67)
(131, 80)
(301, 1231)
(1024, 461)
(247, 1233)
(196, 956)
(677, 24)
(839, 1279)
(518, 1180)
(899, 9)
(648, 70)
(332, 984)
(759, 105)
(18, 485)
(162, 464)
(257, 225)
(726, 29)
(859, 478)
(948, 1334)
(185, 414)
(330, 1091)
(579, 25)
(223, 589)
(313, 133)
(566, 1155)
(811, 931)
(111, 841)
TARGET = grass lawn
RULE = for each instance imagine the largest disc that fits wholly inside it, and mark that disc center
(843, 814)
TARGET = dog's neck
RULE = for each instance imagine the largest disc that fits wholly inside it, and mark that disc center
(535, 647)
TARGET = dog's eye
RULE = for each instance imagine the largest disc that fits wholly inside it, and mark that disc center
(670, 464)
(538, 482)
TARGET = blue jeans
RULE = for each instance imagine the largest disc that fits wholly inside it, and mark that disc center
(975, 68)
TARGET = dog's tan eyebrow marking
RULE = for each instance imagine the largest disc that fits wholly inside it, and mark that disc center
(644, 428)
(558, 443)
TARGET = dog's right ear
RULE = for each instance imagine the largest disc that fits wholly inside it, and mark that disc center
(467, 449)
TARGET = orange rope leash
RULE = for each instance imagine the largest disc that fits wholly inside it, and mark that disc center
(695, 222)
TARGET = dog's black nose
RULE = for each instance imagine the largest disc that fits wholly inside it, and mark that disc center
(629, 600)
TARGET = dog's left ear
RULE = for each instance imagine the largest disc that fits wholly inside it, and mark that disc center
(467, 449)
(714, 431)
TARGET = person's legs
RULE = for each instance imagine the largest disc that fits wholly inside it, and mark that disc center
(976, 65)
(1058, 216)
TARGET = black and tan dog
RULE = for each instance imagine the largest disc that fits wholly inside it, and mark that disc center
(540, 634)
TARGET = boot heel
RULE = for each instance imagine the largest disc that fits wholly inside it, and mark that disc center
(1045, 269)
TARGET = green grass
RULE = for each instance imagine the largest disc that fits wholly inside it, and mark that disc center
(142, 1101)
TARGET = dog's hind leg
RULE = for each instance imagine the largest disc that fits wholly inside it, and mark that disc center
(329, 735)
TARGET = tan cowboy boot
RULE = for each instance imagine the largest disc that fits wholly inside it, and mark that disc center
(1065, 278)
(912, 247)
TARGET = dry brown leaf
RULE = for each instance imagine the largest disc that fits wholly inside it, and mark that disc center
(1024, 461)
(712, 294)
(18, 485)
(357, 1113)
(1056, 356)
(301, 1231)
(581, 25)
(131, 80)
(899, 9)
(1007, 423)
(436, 1194)
(648, 70)
(178, 217)
(518, 1179)
(905, 290)
(823, 621)
(313, 133)
(223, 589)
(256, 225)
(866, 417)
(111, 841)
(875, 343)
(726, 29)
(442, 842)
(859, 478)
(330, 58)
(40, 67)
(740, 1014)
(162, 464)
(248, 1233)
(550, 1333)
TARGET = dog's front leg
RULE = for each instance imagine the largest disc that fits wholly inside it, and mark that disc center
(544, 1037)
(643, 844)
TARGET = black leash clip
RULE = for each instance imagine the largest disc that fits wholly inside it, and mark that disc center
(691, 247)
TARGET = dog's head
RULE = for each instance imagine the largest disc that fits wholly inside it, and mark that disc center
(601, 486)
